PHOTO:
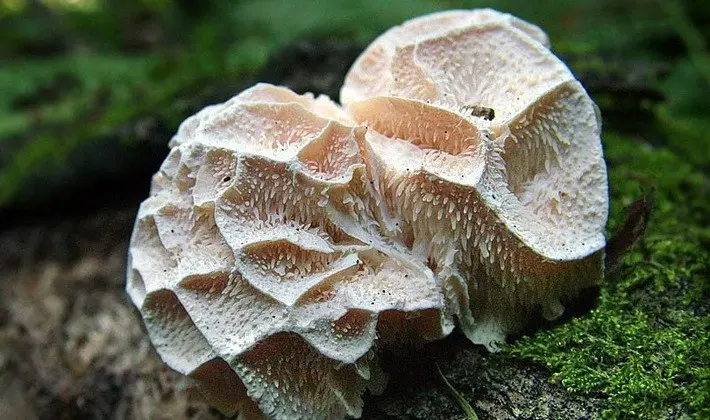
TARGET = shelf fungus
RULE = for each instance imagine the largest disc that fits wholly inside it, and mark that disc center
(287, 240)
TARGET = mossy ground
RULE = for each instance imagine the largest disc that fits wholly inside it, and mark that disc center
(645, 348)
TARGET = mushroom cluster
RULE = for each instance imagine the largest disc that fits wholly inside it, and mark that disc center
(286, 240)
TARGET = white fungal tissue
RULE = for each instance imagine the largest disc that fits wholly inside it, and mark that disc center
(287, 240)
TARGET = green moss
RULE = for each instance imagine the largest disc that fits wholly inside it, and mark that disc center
(647, 346)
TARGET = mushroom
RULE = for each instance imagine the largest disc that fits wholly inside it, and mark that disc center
(504, 187)
(286, 241)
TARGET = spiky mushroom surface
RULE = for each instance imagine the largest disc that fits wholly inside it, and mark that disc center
(503, 180)
(286, 240)
(259, 262)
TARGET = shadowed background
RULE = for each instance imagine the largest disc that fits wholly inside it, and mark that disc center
(91, 91)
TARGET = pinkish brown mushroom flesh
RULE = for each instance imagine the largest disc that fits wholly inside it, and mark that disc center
(286, 240)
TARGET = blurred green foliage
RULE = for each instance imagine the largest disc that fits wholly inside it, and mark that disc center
(74, 70)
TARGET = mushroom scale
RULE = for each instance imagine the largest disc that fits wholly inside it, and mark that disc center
(286, 240)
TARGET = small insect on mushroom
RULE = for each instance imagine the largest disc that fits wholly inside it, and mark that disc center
(479, 111)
